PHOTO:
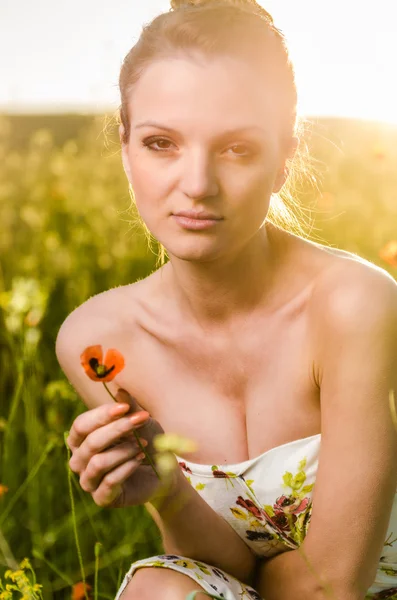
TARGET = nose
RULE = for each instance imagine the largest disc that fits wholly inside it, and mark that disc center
(199, 178)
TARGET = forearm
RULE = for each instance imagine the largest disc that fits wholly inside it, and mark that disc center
(291, 576)
(191, 528)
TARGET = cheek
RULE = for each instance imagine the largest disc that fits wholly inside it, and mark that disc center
(249, 197)
(252, 187)
(150, 187)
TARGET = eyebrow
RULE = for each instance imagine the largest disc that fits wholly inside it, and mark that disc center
(227, 132)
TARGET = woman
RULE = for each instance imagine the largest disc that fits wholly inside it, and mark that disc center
(260, 345)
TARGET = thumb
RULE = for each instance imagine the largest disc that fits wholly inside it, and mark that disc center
(123, 396)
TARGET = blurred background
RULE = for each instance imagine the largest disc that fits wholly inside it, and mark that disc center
(66, 234)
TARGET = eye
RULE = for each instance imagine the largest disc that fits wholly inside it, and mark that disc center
(239, 147)
(163, 145)
(161, 142)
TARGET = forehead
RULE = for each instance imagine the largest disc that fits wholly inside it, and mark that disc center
(223, 90)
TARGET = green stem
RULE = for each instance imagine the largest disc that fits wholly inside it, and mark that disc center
(38, 554)
(136, 436)
(22, 488)
(6, 552)
(97, 549)
(76, 537)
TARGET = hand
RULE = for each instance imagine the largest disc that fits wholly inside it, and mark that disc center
(104, 453)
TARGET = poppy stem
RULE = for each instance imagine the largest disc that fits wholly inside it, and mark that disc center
(108, 391)
(136, 436)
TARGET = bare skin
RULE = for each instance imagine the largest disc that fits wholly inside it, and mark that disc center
(238, 393)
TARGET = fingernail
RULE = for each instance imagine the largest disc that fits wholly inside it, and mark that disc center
(139, 418)
(140, 456)
(143, 441)
(120, 408)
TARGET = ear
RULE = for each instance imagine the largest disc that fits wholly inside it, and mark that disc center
(124, 154)
(283, 173)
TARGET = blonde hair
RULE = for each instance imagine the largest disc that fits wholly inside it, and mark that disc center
(222, 27)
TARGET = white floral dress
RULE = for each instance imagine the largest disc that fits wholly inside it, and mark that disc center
(268, 502)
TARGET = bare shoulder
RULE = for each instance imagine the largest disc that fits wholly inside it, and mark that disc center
(352, 295)
(107, 319)
(110, 318)
(92, 312)
(336, 275)
(111, 310)
(108, 313)
(351, 281)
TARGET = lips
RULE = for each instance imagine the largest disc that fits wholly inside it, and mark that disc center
(190, 214)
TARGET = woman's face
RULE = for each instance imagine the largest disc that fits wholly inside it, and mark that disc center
(204, 135)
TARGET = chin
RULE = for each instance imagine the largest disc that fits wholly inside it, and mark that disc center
(196, 251)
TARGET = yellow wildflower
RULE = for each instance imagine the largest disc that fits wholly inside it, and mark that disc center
(172, 442)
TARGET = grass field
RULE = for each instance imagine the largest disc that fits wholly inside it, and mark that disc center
(65, 235)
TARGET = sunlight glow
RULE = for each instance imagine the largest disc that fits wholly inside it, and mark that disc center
(344, 54)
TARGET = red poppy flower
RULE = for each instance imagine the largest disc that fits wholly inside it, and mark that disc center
(99, 370)
(389, 253)
(106, 370)
(78, 591)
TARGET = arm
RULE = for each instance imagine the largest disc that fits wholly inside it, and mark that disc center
(357, 473)
(191, 528)
(194, 530)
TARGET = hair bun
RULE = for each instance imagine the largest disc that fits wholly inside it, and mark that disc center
(178, 3)
(246, 4)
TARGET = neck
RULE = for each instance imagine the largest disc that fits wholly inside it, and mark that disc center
(223, 292)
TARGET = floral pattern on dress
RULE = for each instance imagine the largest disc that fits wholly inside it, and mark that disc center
(390, 594)
(292, 512)
(270, 509)
(287, 520)
(217, 583)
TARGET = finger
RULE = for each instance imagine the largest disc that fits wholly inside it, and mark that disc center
(103, 437)
(110, 487)
(102, 463)
(124, 397)
(88, 421)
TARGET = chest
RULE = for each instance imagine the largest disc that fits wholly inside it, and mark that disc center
(237, 395)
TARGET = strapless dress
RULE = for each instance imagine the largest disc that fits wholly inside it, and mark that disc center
(268, 502)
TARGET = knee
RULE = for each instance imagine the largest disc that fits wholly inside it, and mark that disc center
(152, 583)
